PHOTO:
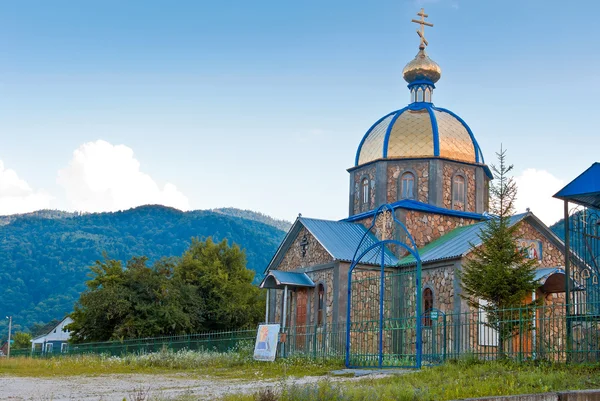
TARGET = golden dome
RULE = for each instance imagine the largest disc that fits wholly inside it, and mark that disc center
(422, 68)
(422, 131)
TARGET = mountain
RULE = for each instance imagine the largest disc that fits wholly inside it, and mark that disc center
(45, 255)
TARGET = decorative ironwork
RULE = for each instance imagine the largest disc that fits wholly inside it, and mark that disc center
(384, 327)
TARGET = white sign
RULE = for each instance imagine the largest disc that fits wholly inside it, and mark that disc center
(266, 342)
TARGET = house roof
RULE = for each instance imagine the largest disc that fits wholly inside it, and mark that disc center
(339, 238)
(280, 279)
(458, 242)
(410, 204)
(52, 329)
(585, 189)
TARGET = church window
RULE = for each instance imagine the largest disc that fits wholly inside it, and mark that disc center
(458, 192)
(419, 95)
(427, 306)
(407, 186)
(428, 95)
(320, 304)
(365, 191)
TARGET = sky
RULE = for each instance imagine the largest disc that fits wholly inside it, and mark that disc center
(261, 105)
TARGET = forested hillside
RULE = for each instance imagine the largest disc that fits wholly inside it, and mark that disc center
(45, 256)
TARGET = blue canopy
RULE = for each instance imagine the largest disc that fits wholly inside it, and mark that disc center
(279, 279)
(585, 189)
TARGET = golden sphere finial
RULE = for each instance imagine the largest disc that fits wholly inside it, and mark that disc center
(422, 68)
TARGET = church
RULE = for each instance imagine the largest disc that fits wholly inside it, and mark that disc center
(424, 163)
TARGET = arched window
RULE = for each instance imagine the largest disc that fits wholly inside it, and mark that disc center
(428, 95)
(419, 95)
(458, 192)
(427, 306)
(320, 304)
(407, 186)
(365, 191)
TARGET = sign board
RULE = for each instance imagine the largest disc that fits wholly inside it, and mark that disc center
(433, 314)
(266, 342)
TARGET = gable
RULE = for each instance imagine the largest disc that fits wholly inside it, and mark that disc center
(303, 251)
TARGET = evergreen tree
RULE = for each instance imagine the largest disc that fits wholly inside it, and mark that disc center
(498, 272)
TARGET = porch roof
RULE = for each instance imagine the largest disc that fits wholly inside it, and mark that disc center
(585, 189)
(279, 279)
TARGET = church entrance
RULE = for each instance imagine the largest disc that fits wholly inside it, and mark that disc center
(384, 319)
(301, 314)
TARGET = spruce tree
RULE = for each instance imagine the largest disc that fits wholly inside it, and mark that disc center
(497, 271)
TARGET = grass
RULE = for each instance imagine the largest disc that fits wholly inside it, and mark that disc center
(237, 363)
(456, 380)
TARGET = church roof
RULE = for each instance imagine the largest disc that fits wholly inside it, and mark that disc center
(585, 189)
(419, 130)
(458, 242)
(421, 207)
(339, 238)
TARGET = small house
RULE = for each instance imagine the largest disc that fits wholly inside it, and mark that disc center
(55, 341)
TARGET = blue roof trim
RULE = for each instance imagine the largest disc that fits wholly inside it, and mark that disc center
(367, 134)
(478, 154)
(420, 206)
(434, 128)
(386, 139)
(420, 82)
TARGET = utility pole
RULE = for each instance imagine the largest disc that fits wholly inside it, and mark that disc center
(9, 332)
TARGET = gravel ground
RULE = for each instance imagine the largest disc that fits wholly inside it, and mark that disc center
(118, 387)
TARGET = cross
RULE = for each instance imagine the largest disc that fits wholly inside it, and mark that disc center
(304, 245)
(421, 32)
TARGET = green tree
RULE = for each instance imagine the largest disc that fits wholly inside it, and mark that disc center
(219, 273)
(208, 288)
(132, 302)
(497, 271)
(21, 340)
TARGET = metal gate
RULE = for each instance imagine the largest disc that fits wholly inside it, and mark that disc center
(384, 327)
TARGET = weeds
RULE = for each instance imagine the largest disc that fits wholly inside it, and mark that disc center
(236, 363)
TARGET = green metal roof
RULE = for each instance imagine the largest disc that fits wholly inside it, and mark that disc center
(455, 244)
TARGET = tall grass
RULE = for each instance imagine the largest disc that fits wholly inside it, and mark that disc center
(237, 362)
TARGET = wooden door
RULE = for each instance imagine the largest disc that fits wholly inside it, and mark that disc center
(301, 317)
(522, 340)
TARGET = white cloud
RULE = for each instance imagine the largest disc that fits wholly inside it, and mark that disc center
(106, 177)
(16, 196)
(535, 190)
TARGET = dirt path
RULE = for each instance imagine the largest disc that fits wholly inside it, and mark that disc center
(118, 387)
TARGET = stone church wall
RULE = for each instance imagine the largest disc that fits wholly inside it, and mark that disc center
(324, 277)
(441, 281)
(359, 175)
(395, 171)
(451, 169)
(315, 253)
(427, 227)
(551, 255)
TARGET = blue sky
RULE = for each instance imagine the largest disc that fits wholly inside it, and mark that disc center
(262, 104)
